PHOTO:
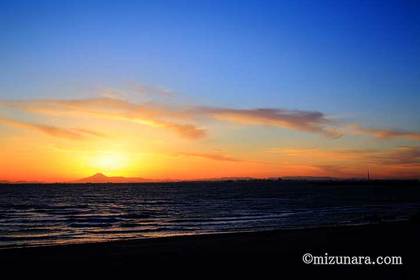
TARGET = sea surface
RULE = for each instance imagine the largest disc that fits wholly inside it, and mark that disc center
(39, 215)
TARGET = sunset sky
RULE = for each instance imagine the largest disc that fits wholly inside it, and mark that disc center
(205, 89)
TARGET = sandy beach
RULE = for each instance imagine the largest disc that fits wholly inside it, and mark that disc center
(264, 253)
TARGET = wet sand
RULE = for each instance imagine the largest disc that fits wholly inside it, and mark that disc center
(261, 253)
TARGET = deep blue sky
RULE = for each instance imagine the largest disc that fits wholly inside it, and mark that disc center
(358, 60)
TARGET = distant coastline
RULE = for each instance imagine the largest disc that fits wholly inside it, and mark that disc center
(100, 178)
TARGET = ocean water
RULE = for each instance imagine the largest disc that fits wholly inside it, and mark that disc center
(38, 215)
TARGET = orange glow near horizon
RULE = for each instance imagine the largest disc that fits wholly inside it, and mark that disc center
(34, 162)
(82, 138)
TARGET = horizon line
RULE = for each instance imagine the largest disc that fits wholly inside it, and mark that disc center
(216, 179)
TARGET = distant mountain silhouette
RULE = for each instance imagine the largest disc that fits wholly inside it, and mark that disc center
(101, 178)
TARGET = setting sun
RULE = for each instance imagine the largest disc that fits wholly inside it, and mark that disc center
(109, 161)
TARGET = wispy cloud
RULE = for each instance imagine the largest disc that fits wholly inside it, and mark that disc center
(308, 121)
(401, 155)
(395, 162)
(180, 119)
(385, 133)
(116, 109)
(152, 91)
(212, 156)
(187, 120)
(398, 155)
(319, 154)
(187, 130)
(73, 134)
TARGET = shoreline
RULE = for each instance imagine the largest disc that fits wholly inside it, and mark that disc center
(268, 250)
(198, 235)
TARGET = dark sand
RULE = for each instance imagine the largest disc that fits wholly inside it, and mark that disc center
(262, 254)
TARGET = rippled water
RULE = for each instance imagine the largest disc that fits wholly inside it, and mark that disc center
(33, 215)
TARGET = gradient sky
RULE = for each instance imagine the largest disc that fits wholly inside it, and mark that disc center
(202, 89)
